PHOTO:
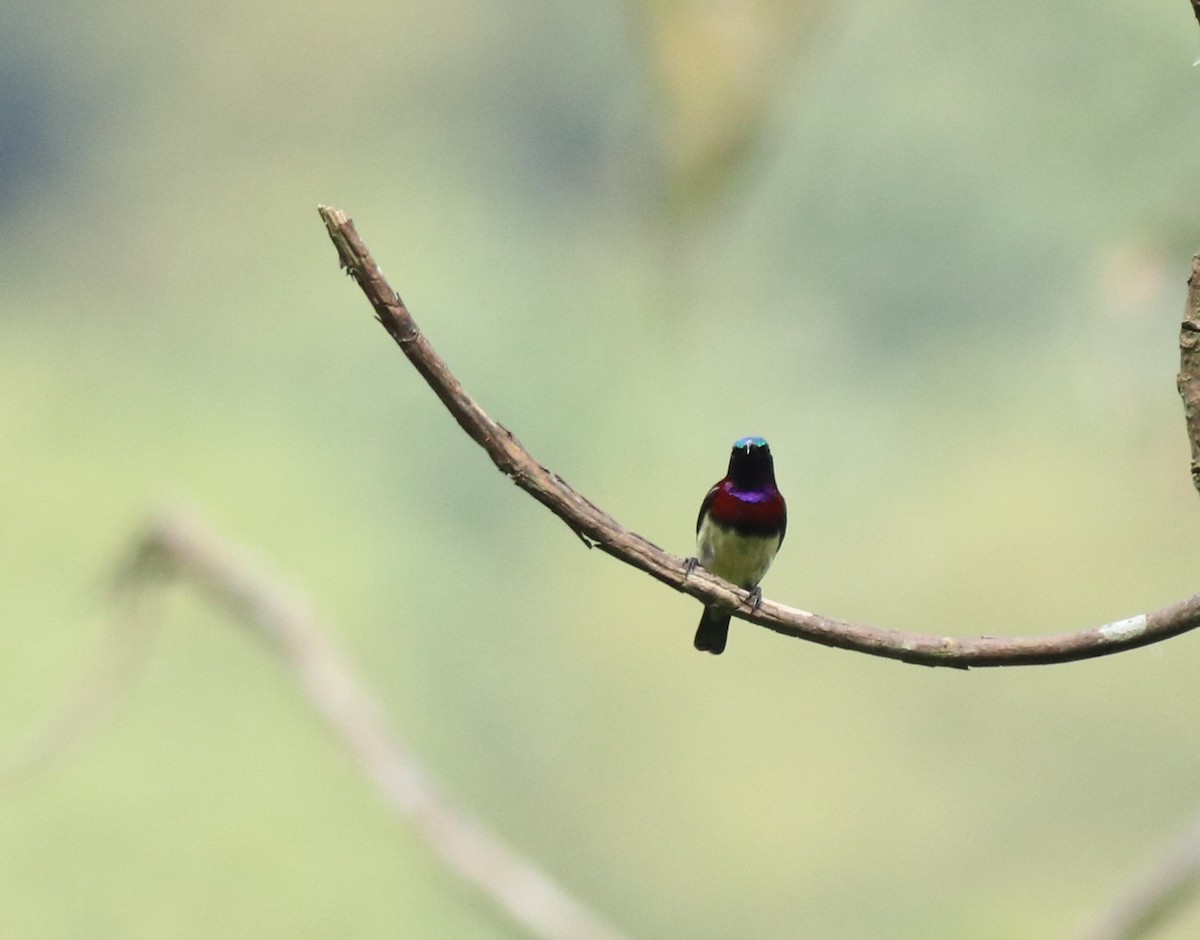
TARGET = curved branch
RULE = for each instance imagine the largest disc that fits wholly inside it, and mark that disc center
(594, 525)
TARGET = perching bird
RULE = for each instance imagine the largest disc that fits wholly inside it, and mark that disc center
(741, 525)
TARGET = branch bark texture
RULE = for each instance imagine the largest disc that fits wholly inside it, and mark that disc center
(596, 527)
(1189, 367)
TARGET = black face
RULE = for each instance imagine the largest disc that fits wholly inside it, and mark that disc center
(750, 464)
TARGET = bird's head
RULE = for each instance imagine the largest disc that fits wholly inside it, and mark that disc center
(750, 464)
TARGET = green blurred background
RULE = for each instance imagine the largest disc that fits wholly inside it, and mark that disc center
(935, 253)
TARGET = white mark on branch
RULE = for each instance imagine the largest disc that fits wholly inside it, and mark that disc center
(1124, 629)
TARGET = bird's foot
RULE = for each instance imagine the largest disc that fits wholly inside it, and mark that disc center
(689, 565)
(755, 597)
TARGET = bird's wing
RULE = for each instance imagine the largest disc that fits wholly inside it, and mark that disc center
(704, 506)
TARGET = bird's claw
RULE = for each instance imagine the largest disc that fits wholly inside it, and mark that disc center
(689, 565)
(754, 597)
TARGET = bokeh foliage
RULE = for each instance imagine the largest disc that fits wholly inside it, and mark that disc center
(935, 253)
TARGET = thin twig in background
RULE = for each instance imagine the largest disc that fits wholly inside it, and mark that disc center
(1162, 894)
(594, 526)
(182, 548)
(95, 696)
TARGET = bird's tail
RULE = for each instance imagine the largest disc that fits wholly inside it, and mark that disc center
(713, 631)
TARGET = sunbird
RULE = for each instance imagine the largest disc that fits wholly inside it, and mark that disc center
(739, 530)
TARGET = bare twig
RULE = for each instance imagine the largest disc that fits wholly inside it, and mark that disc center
(184, 548)
(593, 524)
(1154, 901)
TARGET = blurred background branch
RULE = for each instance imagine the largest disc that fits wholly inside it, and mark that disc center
(1161, 894)
(183, 549)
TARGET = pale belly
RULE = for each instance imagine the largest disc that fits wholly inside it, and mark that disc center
(742, 559)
